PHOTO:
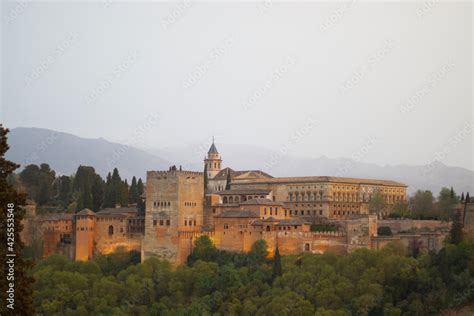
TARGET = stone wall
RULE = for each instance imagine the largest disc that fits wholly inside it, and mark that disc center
(406, 225)
(425, 241)
(174, 202)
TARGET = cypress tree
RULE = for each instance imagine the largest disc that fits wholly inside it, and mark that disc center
(456, 230)
(10, 199)
(462, 197)
(133, 193)
(276, 269)
(140, 202)
(468, 199)
(140, 187)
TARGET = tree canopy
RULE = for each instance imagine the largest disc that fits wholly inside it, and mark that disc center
(365, 282)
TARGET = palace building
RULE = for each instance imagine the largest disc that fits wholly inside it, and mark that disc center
(235, 209)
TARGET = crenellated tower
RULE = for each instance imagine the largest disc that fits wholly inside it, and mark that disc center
(213, 162)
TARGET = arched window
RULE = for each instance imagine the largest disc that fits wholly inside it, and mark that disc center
(111, 230)
(306, 247)
(225, 199)
(268, 228)
(231, 200)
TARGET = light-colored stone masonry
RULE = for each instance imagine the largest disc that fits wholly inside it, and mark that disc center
(174, 203)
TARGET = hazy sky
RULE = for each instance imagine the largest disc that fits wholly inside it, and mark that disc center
(388, 83)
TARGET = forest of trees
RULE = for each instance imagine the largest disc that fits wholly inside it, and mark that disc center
(366, 282)
(423, 205)
(84, 189)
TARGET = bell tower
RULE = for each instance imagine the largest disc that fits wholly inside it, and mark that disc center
(213, 162)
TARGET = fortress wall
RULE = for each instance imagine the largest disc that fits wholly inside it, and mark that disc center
(397, 225)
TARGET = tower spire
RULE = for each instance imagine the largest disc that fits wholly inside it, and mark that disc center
(213, 161)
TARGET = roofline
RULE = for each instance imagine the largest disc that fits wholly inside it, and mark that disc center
(311, 179)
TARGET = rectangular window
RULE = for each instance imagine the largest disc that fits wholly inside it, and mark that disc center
(185, 223)
(167, 222)
(154, 222)
(161, 222)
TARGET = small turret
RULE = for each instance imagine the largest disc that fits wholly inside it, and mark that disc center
(213, 162)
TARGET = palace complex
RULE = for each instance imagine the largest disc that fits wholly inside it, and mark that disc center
(236, 208)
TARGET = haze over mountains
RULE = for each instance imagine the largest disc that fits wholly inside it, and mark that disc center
(65, 152)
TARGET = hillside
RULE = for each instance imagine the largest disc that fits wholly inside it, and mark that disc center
(65, 152)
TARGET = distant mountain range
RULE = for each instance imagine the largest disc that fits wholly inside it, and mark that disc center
(65, 152)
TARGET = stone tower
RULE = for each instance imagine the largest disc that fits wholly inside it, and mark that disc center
(174, 207)
(213, 162)
(84, 235)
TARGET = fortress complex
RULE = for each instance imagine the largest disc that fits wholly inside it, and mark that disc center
(237, 208)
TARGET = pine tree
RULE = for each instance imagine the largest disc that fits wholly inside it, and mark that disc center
(228, 181)
(11, 199)
(276, 269)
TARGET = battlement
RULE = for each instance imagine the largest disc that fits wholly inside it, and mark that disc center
(172, 173)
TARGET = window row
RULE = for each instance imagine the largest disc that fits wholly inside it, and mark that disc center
(190, 203)
(271, 211)
(161, 203)
(162, 222)
(309, 196)
(190, 222)
(346, 212)
(308, 212)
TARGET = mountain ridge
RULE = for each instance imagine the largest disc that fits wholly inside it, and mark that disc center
(38, 145)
